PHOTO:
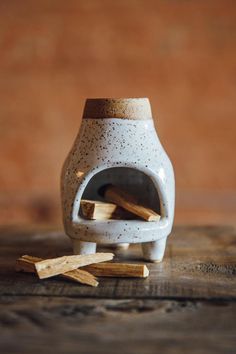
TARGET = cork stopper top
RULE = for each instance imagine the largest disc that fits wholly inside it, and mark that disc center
(122, 108)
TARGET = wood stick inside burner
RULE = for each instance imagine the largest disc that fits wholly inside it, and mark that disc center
(27, 264)
(128, 202)
(97, 210)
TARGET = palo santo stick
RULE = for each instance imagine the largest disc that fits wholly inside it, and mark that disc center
(128, 202)
(93, 209)
(118, 270)
(97, 210)
(51, 267)
(81, 276)
(27, 264)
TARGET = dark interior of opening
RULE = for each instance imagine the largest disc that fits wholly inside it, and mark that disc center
(133, 181)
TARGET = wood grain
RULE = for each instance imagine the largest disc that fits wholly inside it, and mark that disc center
(66, 325)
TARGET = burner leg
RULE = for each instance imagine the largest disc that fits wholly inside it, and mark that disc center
(121, 246)
(81, 247)
(154, 251)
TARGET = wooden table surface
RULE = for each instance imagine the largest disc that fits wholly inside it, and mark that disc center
(186, 305)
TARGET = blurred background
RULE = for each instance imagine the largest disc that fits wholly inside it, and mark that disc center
(179, 53)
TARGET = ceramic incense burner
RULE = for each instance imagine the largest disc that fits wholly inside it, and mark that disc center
(117, 144)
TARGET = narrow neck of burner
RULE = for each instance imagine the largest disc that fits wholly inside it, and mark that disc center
(121, 108)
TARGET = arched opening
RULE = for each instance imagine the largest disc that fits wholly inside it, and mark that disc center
(132, 180)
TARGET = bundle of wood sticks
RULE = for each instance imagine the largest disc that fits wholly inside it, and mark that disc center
(69, 267)
(119, 205)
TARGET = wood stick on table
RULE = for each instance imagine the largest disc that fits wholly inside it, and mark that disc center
(51, 267)
(27, 264)
(118, 270)
(128, 202)
(97, 210)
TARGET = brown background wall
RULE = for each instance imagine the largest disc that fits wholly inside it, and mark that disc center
(181, 54)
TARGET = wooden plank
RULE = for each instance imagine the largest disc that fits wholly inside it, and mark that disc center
(199, 263)
(27, 264)
(128, 202)
(66, 325)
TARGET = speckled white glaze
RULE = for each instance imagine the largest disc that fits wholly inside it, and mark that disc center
(131, 148)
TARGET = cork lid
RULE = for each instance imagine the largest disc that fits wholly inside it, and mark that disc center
(122, 108)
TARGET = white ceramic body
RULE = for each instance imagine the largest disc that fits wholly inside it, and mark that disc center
(132, 148)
